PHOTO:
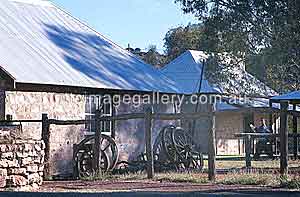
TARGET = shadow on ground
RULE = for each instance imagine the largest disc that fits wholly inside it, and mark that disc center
(132, 194)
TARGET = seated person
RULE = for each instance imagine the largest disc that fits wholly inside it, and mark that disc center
(263, 144)
(263, 128)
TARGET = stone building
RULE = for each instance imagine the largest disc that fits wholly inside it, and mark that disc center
(234, 111)
(53, 63)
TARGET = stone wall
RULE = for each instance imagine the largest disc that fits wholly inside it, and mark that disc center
(21, 161)
(200, 134)
(31, 105)
(227, 124)
(130, 135)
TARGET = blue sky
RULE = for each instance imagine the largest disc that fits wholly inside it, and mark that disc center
(138, 22)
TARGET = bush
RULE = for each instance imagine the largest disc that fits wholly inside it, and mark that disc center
(290, 183)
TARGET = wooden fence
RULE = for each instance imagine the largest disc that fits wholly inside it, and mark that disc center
(249, 137)
(148, 117)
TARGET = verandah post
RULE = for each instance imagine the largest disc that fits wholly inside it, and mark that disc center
(148, 140)
(295, 138)
(97, 145)
(46, 139)
(248, 150)
(212, 142)
(283, 138)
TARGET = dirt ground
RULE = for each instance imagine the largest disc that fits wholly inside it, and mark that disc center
(144, 185)
(138, 186)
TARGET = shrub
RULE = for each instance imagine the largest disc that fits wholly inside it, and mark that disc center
(290, 182)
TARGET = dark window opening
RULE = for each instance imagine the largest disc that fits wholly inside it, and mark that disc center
(93, 103)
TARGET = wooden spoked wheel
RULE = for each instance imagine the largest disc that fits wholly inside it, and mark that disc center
(85, 163)
(108, 145)
(85, 152)
(188, 157)
(163, 145)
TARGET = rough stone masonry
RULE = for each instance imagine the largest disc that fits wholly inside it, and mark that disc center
(21, 161)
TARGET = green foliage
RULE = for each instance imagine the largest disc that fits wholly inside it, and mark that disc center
(265, 32)
(152, 56)
(180, 39)
(290, 182)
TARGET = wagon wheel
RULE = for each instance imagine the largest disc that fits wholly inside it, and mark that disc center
(162, 148)
(159, 166)
(167, 144)
(108, 145)
(158, 150)
(192, 163)
(85, 163)
(188, 157)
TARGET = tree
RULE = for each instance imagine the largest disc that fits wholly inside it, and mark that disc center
(180, 39)
(152, 56)
(266, 32)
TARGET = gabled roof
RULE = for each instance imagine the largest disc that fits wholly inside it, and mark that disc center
(42, 44)
(187, 70)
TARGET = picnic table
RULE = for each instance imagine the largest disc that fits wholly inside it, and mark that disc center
(248, 137)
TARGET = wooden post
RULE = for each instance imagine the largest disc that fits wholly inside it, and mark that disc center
(97, 145)
(275, 132)
(46, 139)
(212, 143)
(113, 122)
(283, 138)
(75, 169)
(248, 151)
(271, 116)
(148, 140)
(295, 151)
(9, 117)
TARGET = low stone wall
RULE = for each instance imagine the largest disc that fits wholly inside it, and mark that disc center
(21, 162)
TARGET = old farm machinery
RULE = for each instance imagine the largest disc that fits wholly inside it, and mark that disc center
(84, 155)
(173, 150)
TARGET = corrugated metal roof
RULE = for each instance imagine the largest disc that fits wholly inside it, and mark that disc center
(42, 44)
(291, 96)
(186, 70)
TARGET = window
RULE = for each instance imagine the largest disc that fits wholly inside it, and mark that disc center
(93, 103)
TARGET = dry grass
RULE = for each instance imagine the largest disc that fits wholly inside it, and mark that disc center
(259, 179)
(182, 178)
(238, 178)
(249, 179)
(275, 164)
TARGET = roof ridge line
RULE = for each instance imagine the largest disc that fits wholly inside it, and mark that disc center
(181, 55)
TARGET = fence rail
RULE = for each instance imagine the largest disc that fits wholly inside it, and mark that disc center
(248, 137)
(148, 116)
(122, 117)
(265, 135)
(19, 121)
